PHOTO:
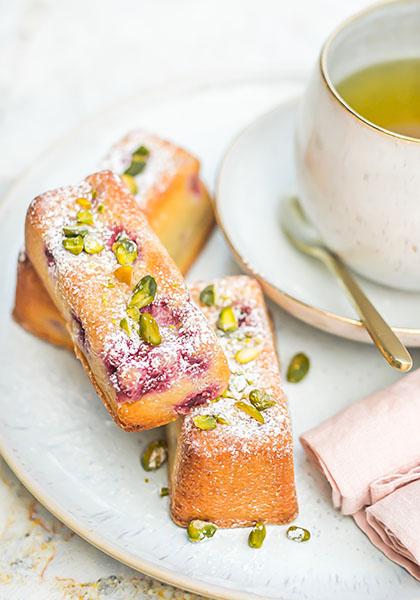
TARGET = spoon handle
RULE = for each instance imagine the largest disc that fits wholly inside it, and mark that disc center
(381, 333)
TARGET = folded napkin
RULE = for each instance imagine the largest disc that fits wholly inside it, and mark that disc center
(372, 447)
(370, 454)
(393, 525)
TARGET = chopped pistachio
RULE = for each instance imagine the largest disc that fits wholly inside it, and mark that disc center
(298, 368)
(141, 151)
(92, 245)
(130, 182)
(298, 534)
(101, 208)
(208, 296)
(164, 491)
(84, 217)
(149, 329)
(84, 202)
(94, 194)
(73, 231)
(257, 536)
(125, 251)
(125, 326)
(205, 422)
(134, 313)
(73, 244)
(260, 400)
(220, 419)
(198, 530)
(136, 167)
(216, 399)
(227, 320)
(246, 355)
(250, 410)
(154, 455)
(144, 293)
(124, 274)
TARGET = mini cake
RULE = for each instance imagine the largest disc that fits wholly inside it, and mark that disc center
(165, 180)
(147, 348)
(231, 461)
(168, 189)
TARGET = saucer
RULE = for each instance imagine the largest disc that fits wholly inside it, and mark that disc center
(256, 175)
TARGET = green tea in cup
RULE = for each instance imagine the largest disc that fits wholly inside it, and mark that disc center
(387, 94)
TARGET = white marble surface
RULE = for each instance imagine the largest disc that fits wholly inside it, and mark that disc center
(62, 62)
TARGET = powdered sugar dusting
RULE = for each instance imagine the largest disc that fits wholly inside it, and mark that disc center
(262, 373)
(95, 302)
(162, 164)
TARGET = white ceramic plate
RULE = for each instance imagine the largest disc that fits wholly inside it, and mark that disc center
(256, 176)
(58, 438)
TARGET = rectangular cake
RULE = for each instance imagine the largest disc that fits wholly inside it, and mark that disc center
(231, 461)
(147, 348)
(166, 181)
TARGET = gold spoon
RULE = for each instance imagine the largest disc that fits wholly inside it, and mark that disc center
(305, 238)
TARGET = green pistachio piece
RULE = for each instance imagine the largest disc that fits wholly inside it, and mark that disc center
(101, 208)
(136, 167)
(84, 217)
(198, 530)
(164, 491)
(73, 244)
(125, 251)
(298, 534)
(149, 329)
(227, 320)
(216, 399)
(92, 245)
(154, 455)
(250, 410)
(141, 151)
(260, 400)
(125, 326)
(208, 296)
(134, 313)
(130, 182)
(144, 293)
(257, 536)
(220, 419)
(205, 422)
(73, 231)
(298, 368)
(248, 354)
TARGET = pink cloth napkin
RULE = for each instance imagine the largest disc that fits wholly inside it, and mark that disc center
(370, 454)
(393, 525)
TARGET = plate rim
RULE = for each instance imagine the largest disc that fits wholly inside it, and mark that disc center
(320, 318)
(163, 574)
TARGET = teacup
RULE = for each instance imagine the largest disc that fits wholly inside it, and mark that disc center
(359, 183)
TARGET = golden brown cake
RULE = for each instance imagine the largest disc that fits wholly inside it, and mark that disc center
(231, 461)
(169, 191)
(146, 346)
